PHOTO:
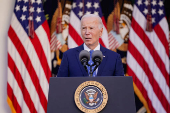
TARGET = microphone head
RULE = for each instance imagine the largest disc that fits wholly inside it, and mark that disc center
(84, 54)
(97, 54)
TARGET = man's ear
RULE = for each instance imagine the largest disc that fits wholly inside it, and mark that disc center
(101, 31)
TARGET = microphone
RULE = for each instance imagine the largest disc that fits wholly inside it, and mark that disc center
(84, 57)
(97, 58)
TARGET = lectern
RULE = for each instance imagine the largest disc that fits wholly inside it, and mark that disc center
(119, 89)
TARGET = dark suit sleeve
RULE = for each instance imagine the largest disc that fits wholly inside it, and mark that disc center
(119, 71)
(63, 69)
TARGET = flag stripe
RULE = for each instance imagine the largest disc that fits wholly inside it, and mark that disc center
(139, 31)
(112, 40)
(25, 75)
(161, 35)
(136, 68)
(29, 67)
(73, 43)
(161, 51)
(76, 37)
(75, 23)
(17, 94)
(113, 43)
(104, 22)
(47, 31)
(53, 42)
(152, 66)
(147, 57)
(42, 35)
(13, 99)
(141, 88)
(41, 56)
(52, 39)
(105, 34)
(101, 42)
(33, 58)
(10, 104)
(35, 61)
(136, 54)
(29, 61)
(163, 24)
(20, 82)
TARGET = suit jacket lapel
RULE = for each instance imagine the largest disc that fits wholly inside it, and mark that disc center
(101, 66)
(80, 48)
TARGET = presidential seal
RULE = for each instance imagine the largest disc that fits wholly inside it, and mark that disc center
(91, 97)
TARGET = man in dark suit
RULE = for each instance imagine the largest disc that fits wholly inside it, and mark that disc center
(91, 30)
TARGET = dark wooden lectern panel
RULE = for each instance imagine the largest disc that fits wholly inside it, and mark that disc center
(120, 94)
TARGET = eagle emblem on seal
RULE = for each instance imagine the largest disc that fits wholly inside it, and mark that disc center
(91, 97)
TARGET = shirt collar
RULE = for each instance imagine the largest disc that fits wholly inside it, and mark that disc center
(86, 48)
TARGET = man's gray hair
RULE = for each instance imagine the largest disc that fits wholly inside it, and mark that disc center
(96, 16)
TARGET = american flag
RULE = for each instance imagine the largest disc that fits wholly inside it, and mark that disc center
(113, 43)
(115, 40)
(29, 64)
(79, 8)
(169, 41)
(147, 57)
(54, 42)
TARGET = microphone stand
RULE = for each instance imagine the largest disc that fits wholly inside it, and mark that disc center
(96, 65)
(91, 73)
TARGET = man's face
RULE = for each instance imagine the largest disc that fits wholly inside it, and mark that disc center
(90, 31)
